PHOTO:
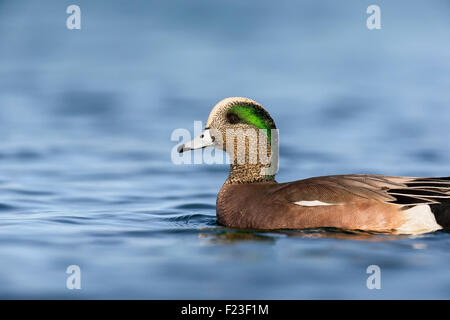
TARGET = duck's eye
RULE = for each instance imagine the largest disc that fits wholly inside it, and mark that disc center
(233, 118)
(202, 136)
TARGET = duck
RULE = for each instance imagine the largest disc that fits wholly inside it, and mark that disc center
(251, 198)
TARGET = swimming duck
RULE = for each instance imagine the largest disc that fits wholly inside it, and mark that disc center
(251, 198)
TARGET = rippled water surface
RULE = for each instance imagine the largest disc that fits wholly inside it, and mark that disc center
(86, 176)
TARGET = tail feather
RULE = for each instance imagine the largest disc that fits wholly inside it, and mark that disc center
(432, 191)
(442, 214)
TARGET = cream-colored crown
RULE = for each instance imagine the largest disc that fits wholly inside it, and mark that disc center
(217, 115)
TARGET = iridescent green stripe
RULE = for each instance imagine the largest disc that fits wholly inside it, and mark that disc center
(253, 116)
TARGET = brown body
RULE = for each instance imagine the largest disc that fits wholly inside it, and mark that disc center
(363, 202)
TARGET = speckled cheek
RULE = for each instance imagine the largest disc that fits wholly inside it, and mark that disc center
(218, 138)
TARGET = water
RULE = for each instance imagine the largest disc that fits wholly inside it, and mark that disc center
(86, 117)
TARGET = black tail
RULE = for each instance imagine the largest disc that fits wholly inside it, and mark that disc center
(442, 214)
(441, 211)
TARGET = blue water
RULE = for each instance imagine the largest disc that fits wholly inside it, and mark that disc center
(86, 116)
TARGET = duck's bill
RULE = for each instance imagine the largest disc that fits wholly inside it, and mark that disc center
(202, 141)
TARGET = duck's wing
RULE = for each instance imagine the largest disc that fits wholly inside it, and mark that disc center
(404, 192)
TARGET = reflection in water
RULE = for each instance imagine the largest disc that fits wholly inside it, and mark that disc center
(233, 236)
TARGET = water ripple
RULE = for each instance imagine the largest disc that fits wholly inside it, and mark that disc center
(196, 206)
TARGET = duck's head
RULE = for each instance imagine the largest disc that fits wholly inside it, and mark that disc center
(247, 132)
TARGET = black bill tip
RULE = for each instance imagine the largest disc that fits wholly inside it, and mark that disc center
(181, 148)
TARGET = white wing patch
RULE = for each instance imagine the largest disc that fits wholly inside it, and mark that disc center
(314, 203)
(419, 219)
